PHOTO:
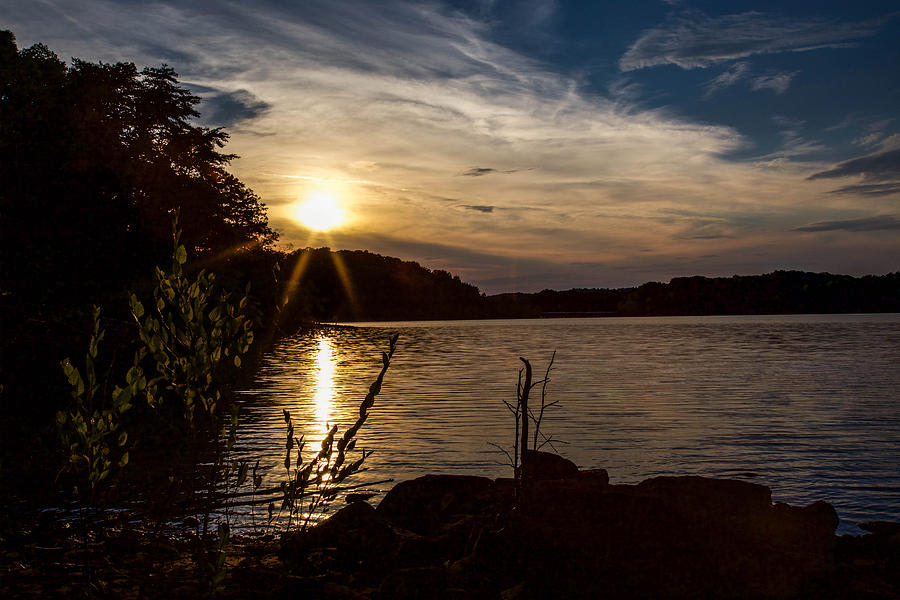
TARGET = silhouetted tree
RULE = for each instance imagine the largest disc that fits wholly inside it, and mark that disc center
(95, 159)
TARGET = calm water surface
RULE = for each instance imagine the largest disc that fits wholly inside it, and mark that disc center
(808, 405)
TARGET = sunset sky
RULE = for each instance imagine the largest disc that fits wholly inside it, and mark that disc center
(538, 144)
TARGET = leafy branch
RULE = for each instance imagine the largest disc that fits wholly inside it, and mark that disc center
(318, 480)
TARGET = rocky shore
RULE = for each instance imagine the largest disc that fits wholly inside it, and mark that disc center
(571, 534)
(575, 535)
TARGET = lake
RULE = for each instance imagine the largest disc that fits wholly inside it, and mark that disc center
(808, 405)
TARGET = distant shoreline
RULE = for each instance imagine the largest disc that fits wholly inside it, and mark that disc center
(548, 316)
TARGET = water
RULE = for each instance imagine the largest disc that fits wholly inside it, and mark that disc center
(807, 405)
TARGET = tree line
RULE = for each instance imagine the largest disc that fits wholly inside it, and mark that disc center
(780, 292)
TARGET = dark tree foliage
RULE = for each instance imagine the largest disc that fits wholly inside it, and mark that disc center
(578, 302)
(781, 292)
(95, 159)
(360, 285)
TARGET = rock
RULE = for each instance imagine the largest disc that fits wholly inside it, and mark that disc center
(867, 566)
(317, 588)
(594, 475)
(574, 535)
(360, 497)
(540, 466)
(425, 504)
(355, 535)
(426, 583)
(673, 537)
(881, 528)
(723, 495)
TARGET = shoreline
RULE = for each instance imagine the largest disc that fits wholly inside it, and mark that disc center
(452, 536)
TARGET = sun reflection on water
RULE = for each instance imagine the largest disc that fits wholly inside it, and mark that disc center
(324, 374)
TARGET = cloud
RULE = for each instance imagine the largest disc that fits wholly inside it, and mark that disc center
(734, 74)
(384, 104)
(879, 223)
(875, 134)
(363, 165)
(777, 82)
(775, 164)
(695, 40)
(226, 109)
(479, 208)
(478, 171)
(794, 144)
(869, 139)
(881, 166)
(873, 189)
(891, 142)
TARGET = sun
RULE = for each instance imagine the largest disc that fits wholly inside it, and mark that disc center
(320, 212)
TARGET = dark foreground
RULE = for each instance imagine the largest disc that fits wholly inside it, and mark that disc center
(441, 536)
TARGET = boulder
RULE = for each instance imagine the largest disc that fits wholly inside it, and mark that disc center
(425, 583)
(674, 537)
(426, 504)
(355, 535)
(594, 475)
(577, 536)
(540, 466)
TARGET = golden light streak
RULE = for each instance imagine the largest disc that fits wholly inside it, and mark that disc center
(324, 374)
(344, 276)
(290, 288)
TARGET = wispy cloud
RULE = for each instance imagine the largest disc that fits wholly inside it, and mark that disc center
(726, 79)
(795, 143)
(480, 171)
(777, 82)
(397, 107)
(869, 189)
(694, 40)
(881, 166)
(880, 223)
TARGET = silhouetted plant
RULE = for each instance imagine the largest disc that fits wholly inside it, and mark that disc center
(191, 342)
(195, 334)
(539, 418)
(311, 485)
(91, 428)
(516, 457)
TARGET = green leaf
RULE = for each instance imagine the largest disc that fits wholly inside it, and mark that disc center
(121, 396)
(124, 460)
(136, 307)
(73, 376)
(223, 533)
(237, 361)
(181, 255)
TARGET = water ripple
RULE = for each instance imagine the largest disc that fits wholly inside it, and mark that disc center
(807, 405)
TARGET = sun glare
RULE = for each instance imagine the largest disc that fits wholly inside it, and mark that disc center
(320, 211)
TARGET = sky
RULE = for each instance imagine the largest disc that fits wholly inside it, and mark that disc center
(534, 144)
